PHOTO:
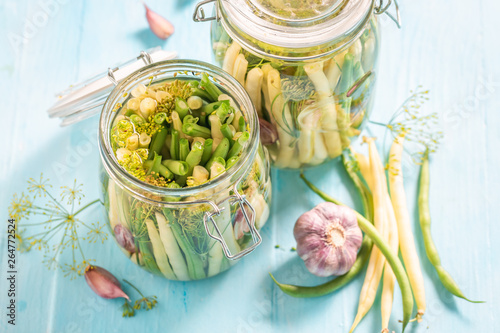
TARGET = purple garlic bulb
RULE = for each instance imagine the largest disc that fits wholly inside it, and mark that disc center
(124, 238)
(103, 283)
(328, 239)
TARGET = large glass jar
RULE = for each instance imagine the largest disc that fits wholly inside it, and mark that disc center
(308, 66)
(194, 232)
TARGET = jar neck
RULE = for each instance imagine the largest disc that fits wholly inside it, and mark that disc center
(180, 69)
(293, 44)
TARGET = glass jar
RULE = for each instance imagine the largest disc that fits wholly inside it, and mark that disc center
(194, 232)
(308, 66)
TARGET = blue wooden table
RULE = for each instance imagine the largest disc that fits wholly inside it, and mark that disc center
(449, 47)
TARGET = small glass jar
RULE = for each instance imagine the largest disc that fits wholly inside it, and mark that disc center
(195, 232)
(308, 66)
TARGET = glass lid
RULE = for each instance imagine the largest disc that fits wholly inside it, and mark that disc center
(85, 99)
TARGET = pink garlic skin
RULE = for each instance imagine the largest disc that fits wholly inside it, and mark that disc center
(103, 283)
(124, 238)
(268, 132)
(321, 257)
(160, 26)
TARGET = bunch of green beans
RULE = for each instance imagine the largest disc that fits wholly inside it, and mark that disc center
(201, 127)
(425, 225)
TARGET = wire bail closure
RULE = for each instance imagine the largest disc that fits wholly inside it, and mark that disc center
(199, 12)
(383, 9)
(209, 216)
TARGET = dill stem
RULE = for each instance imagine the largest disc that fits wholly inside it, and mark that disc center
(86, 206)
(57, 202)
(134, 288)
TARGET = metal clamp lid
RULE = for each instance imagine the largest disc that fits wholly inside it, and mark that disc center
(199, 12)
(85, 99)
(382, 9)
(250, 220)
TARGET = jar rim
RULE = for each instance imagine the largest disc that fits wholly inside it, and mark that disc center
(182, 66)
(296, 42)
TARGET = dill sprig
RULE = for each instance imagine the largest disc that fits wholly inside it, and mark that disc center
(420, 129)
(58, 226)
(146, 303)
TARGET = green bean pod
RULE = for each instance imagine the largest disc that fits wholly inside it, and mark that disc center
(210, 87)
(239, 145)
(157, 142)
(221, 151)
(226, 131)
(162, 170)
(425, 224)
(195, 130)
(335, 284)
(174, 145)
(179, 168)
(183, 149)
(207, 151)
(181, 107)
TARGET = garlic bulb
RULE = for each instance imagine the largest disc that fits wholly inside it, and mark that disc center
(328, 239)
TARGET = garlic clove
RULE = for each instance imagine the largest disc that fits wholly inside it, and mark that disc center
(328, 239)
(125, 238)
(160, 26)
(268, 132)
(103, 283)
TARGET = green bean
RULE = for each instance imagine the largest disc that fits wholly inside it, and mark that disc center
(162, 170)
(207, 151)
(174, 145)
(160, 118)
(157, 142)
(181, 107)
(223, 112)
(241, 124)
(232, 161)
(335, 284)
(391, 257)
(196, 130)
(194, 157)
(154, 166)
(210, 87)
(190, 119)
(221, 151)
(196, 91)
(425, 225)
(136, 119)
(210, 108)
(179, 168)
(239, 145)
(346, 78)
(183, 149)
(226, 131)
(201, 93)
